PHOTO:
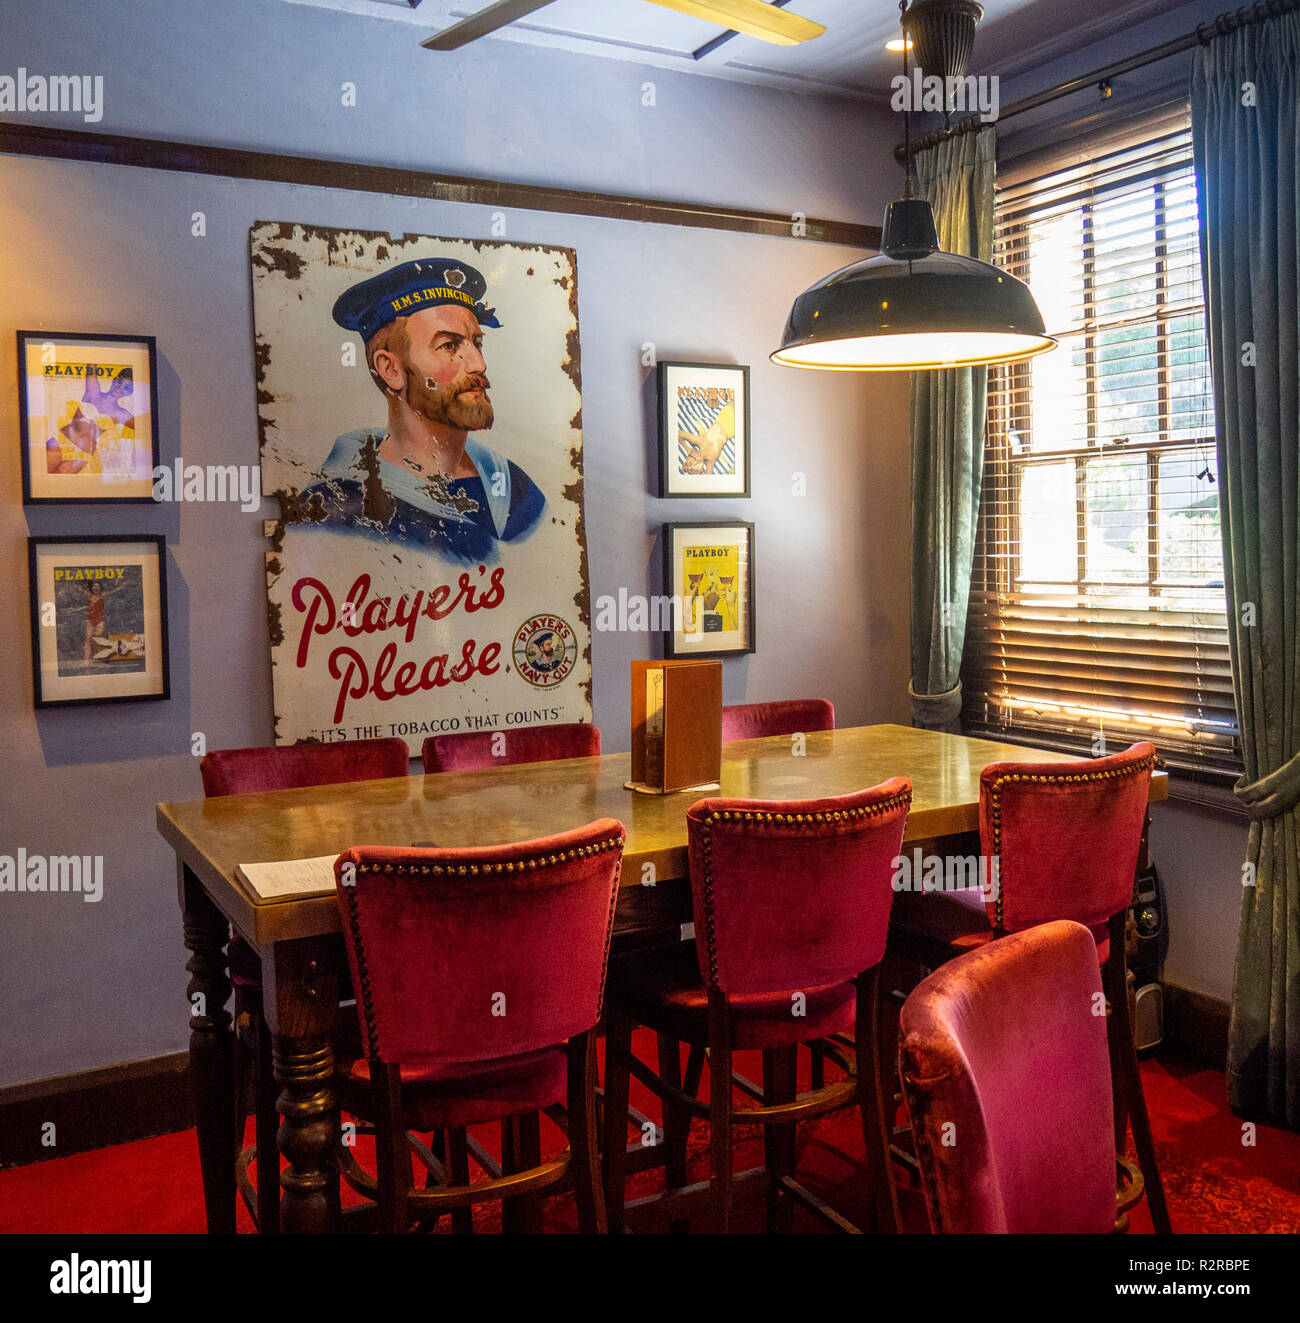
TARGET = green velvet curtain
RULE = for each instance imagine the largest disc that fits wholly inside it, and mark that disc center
(1245, 90)
(947, 431)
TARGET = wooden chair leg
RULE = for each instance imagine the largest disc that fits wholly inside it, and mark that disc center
(529, 1129)
(871, 1102)
(1115, 1048)
(694, 1071)
(676, 1121)
(584, 1161)
(512, 1211)
(392, 1156)
(462, 1219)
(245, 1075)
(817, 1075)
(428, 1222)
(1127, 1080)
(618, 1041)
(266, 1095)
(779, 1066)
(720, 1103)
(889, 1003)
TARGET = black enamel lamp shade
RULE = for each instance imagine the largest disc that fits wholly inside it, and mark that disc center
(912, 307)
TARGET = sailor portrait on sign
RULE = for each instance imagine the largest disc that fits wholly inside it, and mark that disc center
(425, 479)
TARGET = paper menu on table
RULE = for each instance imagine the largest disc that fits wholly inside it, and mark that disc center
(290, 877)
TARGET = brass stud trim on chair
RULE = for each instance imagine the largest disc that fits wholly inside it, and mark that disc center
(503, 866)
(778, 820)
(1039, 778)
(365, 996)
(363, 975)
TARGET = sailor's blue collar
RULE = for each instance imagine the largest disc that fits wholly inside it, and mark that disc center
(344, 461)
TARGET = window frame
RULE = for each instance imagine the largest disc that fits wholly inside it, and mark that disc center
(999, 547)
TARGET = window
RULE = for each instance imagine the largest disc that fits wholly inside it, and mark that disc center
(1097, 610)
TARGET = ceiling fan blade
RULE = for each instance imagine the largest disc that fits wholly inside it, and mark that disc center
(754, 17)
(479, 25)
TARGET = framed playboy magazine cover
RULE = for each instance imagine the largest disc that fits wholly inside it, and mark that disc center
(709, 574)
(99, 619)
(703, 429)
(87, 417)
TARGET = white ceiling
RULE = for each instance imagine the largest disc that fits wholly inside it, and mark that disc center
(849, 59)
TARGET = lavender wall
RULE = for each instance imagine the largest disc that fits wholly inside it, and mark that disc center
(107, 248)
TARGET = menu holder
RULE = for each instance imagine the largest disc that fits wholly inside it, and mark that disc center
(676, 726)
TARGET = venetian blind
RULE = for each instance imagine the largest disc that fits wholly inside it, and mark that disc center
(1097, 610)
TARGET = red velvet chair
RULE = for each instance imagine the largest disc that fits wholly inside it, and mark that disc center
(528, 744)
(1065, 838)
(480, 976)
(1011, 1112)
(791, 905)
(244, 772)
(751, 721)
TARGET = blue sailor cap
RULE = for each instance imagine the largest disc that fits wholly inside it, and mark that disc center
(405, 289)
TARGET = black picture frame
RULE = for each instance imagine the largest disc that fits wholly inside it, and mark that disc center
(159, 544)
(145, 342)
(671, 533)
(675, 486)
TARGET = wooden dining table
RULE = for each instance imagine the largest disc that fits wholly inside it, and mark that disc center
(299, 939)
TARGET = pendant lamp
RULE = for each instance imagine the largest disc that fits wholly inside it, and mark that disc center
(913, 306)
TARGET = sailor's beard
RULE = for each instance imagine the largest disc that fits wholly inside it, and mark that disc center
(449, 404)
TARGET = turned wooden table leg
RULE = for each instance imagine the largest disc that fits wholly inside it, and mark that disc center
(212, 1047)
(301, 1001)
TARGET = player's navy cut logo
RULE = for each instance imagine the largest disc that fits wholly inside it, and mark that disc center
(545, 651)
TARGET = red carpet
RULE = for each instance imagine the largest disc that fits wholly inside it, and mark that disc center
(1213, 1182)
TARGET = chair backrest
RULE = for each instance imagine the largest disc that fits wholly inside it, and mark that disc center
(245, 771)
(751, 721)
(1065, 836)
(1005, 1071)
(794, 894)
(528, 744)
(470, 954)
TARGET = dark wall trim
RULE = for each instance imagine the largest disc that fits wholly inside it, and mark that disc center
(198, 159)
(1196, 1026)
(95, 1108)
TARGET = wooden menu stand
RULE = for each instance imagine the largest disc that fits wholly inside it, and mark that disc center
(676, 726)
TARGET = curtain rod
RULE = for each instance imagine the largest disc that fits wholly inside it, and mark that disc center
(1221, 26)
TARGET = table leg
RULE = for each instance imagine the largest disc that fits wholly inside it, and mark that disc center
(212, 1047)
(301, 997)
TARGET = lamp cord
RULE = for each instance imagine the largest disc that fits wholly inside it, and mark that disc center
(907, 113)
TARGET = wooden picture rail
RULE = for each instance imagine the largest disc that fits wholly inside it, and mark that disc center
(52, 143)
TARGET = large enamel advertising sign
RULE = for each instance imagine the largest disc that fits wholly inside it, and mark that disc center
(420, 419)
